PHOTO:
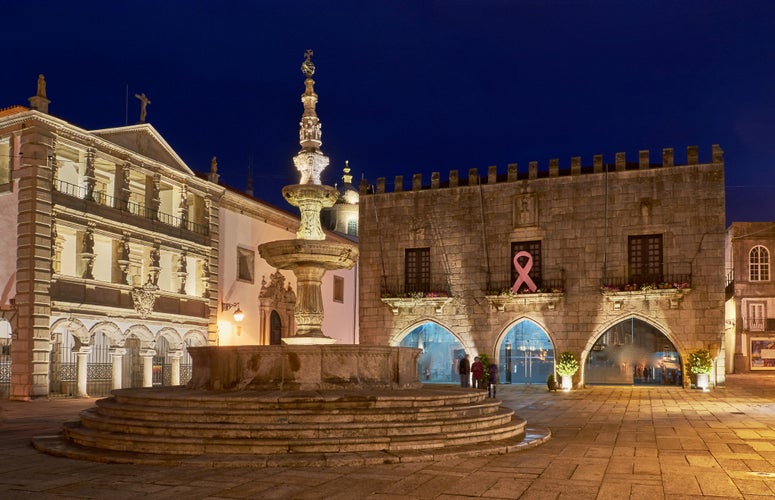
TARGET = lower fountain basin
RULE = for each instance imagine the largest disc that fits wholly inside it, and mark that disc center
(304, 367)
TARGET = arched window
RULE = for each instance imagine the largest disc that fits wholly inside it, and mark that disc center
(759, 264)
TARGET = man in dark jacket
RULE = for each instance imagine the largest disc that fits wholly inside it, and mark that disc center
(492, 371)
(464, 369)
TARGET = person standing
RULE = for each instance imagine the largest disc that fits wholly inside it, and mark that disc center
(465, 370)
(492, 379)
(477, 370)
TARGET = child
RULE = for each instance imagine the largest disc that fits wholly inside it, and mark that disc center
(493, 379)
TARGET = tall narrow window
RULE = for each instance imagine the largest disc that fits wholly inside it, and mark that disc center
(645, 252)
(417, 269)
(245, 259)
(530, 264)
(759, 264)
(338, 289)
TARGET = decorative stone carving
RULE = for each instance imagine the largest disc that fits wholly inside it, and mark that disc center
(123, 258)
(87, 254)
(673, 296)
(182, 271)
(89, 174)
(501, 301)
(144, 298)
(155, 266)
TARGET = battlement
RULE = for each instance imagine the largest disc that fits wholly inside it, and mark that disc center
(513, 174)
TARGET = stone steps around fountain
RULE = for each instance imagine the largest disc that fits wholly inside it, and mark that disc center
(299, 426)
(197, 445)
(251, 413)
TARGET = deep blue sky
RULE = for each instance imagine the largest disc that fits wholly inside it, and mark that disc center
(415, 86)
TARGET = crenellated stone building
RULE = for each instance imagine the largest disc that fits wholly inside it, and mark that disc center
(109, 255)
(620, 263)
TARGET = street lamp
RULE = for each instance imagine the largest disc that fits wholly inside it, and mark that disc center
(508, 362)
(238, 314)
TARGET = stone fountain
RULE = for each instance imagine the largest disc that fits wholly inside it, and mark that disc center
(307, 402)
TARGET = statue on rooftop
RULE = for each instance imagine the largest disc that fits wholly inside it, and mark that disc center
(144, 102)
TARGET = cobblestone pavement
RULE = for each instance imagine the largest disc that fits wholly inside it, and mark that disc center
(608, 442)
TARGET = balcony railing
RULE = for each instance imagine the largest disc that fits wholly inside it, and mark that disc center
(131, 207)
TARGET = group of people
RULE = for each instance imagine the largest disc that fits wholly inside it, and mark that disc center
(475, 371)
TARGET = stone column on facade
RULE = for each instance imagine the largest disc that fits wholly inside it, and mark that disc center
(124, 259)
(155, 263)
(54, 163)
(123, 192)
(182, 271)
(89, 175)
(117, 358)
(88, 254)
(183, 207)
(155, 196)
(32, 338)
(56, 246)
(205, 275)
(175, 366)
(82, 360)
(147, 356)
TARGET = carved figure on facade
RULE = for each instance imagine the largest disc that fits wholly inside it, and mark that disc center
(205, 275)
(89, 174)
(56, 257)
(144, 102)
(182, 271)
(124, 190)
(526, 215)
(183, 206)
(123, 258)
(155, 196)
(41, 86)
(155, 266)
(88, 253)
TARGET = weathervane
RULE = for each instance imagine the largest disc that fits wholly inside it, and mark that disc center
(307, 67)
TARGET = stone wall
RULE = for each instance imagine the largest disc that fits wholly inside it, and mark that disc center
(582, 216)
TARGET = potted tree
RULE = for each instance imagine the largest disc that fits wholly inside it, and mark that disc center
(701, 364)
(567, 366)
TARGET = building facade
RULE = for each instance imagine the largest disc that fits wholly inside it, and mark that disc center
(620, 264)
(266, 296)
(750, 293)
(108, 257)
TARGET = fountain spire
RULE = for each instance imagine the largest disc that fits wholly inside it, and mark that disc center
(310, 161)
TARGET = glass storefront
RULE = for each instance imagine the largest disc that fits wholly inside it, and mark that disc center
(633, 352)
(526, 355)
(441, 353)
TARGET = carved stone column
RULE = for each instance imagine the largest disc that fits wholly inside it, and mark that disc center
(123, 258)
(123, 191)
(89, 175)
(183, 207)
(155, 266)
(147, 356)
(175, 361)
(155, 196)
(117, 357)
(82, 359)
(88, 254)
(182, 272)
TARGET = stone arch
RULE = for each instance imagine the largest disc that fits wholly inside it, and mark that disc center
(174, 339)
(110, 330)
(441, 350)
(652, 347)
(142, 332)
(524, 352)
(74, 327)
(195, 338)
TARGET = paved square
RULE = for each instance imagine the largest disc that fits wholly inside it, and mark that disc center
(608, 442)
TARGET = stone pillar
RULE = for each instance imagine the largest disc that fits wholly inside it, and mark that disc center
(122, 188)
(473, 177)
(597, 164)
(492, 174)
(309, 301)
(399, 184)
(32, 341)
(532, 170)
(575, 165)
(117, 358)
(513, 172)
(147, 356)
(621, 162)
(453, 178)
(416, 182)
(175, 359)
(554, 167)
(89, 175)
(435, 180)
(82, 357)
(643, 159)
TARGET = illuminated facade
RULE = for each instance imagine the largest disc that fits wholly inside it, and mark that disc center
(750, 293)
(620, 263)
(106, 264)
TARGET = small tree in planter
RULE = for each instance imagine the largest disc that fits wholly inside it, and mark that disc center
(567, 366)
(701, 364)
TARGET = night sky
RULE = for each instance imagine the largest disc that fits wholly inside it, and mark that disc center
(415, 86)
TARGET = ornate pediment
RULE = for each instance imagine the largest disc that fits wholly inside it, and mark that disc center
(144, 140)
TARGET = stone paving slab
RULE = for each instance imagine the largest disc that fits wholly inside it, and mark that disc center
(607, 442)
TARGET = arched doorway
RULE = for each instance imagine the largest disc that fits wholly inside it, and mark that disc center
(441, 353)
(633, 352)
(526, 355)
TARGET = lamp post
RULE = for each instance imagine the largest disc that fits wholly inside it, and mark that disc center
(238, 314)
(508, 362)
